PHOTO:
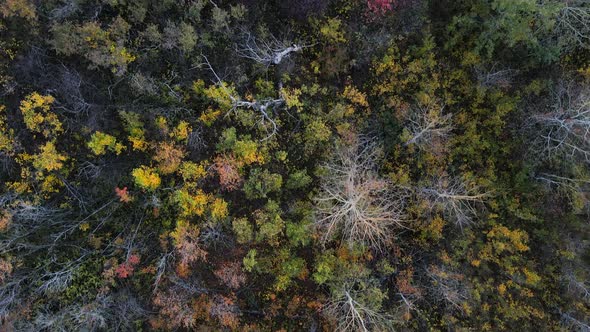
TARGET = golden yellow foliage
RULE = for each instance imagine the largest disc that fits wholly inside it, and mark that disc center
(38, 119)
(49, 159)
(191, 205)
(100, 142)
(146, 178)
(218, 209)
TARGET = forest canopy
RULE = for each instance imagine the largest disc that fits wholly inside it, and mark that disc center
(304, 165)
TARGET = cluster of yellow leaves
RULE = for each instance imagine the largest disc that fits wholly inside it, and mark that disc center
(146, 178)
(220, 93)
(200, 202)
(191, 171)
(355, 96)
(100, 142)
(209, 116)
(181, 132)
(38, 119)
(218, 209)
(292, 98)
(135, 128)
(191, 205)
(332, 31)
(49, 159)
(247, 152)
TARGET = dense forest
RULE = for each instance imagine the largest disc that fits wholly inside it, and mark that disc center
(295, 165)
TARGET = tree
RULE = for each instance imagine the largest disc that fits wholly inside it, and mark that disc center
(233, 103)
(354, 202)
(565, 128)
(573, 25)
(146, 178)
(35, 109)
(267, 52)
(427, 125)
(100, 142)
(228, 171)
(355, 306)
(455, 197)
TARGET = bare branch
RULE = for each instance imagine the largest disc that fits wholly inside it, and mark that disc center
(351, 314)
(426, 125)
(267, 52)
(355, 202)
(566, 126)
(455, 198)
(264, 107)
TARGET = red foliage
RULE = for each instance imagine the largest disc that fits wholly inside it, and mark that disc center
(123, 195)
(127, 268)
(380, 6)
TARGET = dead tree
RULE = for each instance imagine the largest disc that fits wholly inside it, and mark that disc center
(573, 24)
(263, 107)
(455, 197)
(351, 313)
(447, 288)
(565, 128)
(494, 77)
(426, 125)
(266, 52)
(354, 201)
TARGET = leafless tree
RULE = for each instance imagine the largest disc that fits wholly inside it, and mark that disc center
(196, 141)
(455, 197)
(263, 107)
(353, 314)
(494, 77)
(571, 323)
(565, 128)
(354, 201)
(573, 24)
(426, 124)
(447, 287)
(267, 52)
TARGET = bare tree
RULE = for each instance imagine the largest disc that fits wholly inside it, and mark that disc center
(565, 128)
(352, 313)
(426, 124)
(448, 288)
(455, 197)
(571, 323)
(263, 107)
(354, 201)
(573, 24)
(267, 52)
(494, 77)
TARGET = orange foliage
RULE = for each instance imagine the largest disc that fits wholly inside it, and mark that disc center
(168, 157)
(123, 195)
(227, 169)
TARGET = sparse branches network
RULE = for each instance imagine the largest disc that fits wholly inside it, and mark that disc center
(351, 313)
(566, 126)
(427, 124)
(264, 107)
(455, 197)
(266, 52)
(354, 201)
